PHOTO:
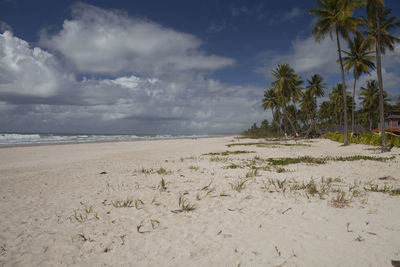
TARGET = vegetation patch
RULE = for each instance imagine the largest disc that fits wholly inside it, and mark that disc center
(128, 203)
(360, 157)
(194, 168)
(234, 166)
(366, 138)
(323, 160)
(226, 153)
(266, 144)
(288, 161)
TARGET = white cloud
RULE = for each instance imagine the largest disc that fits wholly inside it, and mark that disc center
(28, 72)
(293, 13)
(110, 42)
(55, 101)
(306, 57)
(156, 81)
(391, 82)
(4, 27)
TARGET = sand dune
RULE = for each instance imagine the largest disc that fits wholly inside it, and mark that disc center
(104, 204)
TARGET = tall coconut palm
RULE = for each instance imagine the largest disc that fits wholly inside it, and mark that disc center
(370, 99)
(313, 90)
(285, 86)
(360, 60)
(378, 23)
(336, 15)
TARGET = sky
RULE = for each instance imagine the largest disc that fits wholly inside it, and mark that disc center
(157, 67)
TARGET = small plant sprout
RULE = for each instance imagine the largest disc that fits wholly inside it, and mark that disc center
(348, 227)
(162, 186)
(84, 215)
(341, 200)
(185, 205)
(252, 173)
(280, 170)
(359, 238)
(239, 185)
(277, 251)
(138, 227)
(146, 171)
(128, 203)
(194, 168)
(162, 171)
(154, 223)
(138, 203)
(207, 186)
(84, 238)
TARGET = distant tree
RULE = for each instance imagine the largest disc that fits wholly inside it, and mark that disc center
(313, 90)
(285, 85)
(336, 99)
(370, 99)
(325, 113)
(336, 15)
(270, 101)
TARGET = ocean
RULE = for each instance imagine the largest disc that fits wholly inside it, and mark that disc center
(11, 139)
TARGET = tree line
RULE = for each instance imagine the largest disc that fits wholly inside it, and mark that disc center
(293, 102)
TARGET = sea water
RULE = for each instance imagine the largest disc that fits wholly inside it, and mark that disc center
(9, 139)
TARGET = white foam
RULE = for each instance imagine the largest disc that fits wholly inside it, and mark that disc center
(20, 139)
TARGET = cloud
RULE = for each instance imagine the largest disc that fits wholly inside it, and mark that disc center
(4, 27)
(110, 42)
(293, 13)
(236, 11)
(26, 72)
(38, 93)
(391, 82)
(217, 27)
(306, 57)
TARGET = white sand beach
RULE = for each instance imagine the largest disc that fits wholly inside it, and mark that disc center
(103, 204)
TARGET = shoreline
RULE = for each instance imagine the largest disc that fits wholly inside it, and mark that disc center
(109, 141)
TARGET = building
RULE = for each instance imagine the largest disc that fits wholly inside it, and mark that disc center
(392, 122)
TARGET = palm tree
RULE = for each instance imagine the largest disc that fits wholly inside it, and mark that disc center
(378, 24)
(270, 101)
(358, 59)
(314, 89)
(325, 112)
(336, 99)
(285, 87)
(370, 99)
(336, 15)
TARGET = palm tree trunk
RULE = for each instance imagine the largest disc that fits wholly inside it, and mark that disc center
(380, 82)
(370, 121)
(290, 121)
(344, 89)
(353, 106)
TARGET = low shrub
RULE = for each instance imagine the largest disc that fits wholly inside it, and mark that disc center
(366, 138)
